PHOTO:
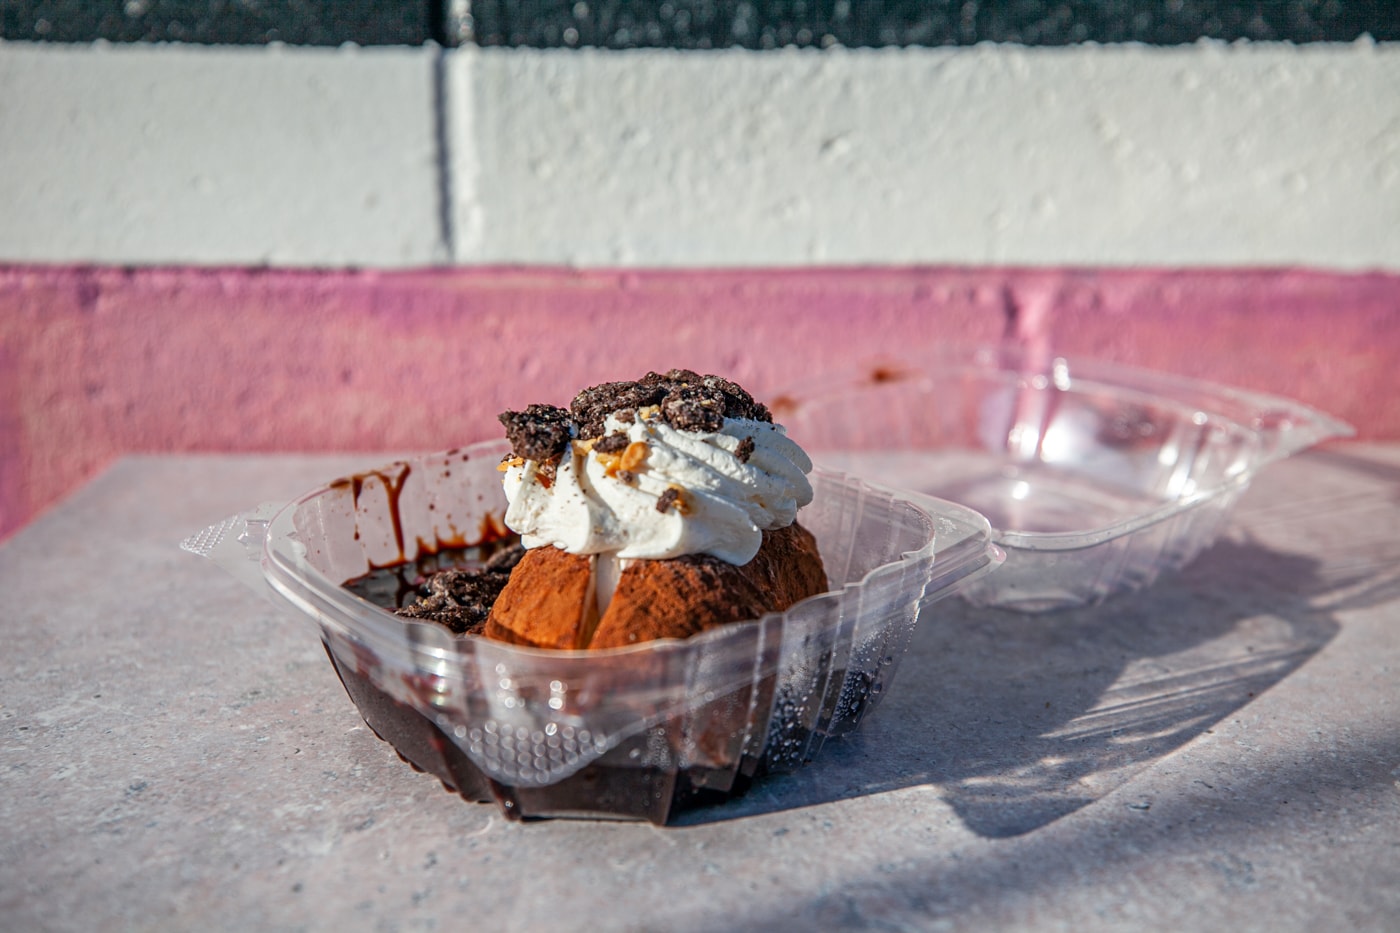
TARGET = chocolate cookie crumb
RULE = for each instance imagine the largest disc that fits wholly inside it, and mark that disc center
(684, 399)
(540, 432)
(592, 406)
(694, 408)
(667, 499)
(458, 599)
(613, 443)
(744, 451)
(504, 560)
(672, 377)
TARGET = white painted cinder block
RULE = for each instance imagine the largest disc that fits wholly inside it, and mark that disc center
(1201, 155)
(1123, 155)
(185, 154)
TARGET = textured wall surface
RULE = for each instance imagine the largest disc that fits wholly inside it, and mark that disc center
(98, 362)
(182, 154)
(1208, 155)
(1204, 156)
(905, 196)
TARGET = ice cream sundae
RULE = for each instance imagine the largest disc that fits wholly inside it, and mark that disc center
(658, 508)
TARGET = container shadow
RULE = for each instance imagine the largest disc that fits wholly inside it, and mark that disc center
(1020, 719)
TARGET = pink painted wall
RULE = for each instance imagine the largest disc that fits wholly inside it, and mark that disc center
(98, 362)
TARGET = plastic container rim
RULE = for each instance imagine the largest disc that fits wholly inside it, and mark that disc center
(1066, 371)
(337, 609)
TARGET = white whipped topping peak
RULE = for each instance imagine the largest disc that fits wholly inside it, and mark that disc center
(608, 503)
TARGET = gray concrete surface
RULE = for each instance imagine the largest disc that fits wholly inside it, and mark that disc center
(1219, 752)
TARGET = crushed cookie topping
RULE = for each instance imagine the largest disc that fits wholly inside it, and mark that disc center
(694, 408)
(744, 451)
(541, 432)
(685, 400)
(667, 499)
(462, 599)
(591, 407)
(613, 443)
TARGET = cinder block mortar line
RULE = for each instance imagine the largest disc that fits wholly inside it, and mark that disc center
(442, 143)
(449, 25)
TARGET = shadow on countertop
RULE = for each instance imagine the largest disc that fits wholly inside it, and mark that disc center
(1021, 719)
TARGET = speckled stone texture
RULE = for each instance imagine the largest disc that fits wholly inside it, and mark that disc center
(1218, 752)
(302, 22)
(767, 24)
(694, 23)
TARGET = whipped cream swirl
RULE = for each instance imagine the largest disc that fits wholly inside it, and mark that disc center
(668, 493)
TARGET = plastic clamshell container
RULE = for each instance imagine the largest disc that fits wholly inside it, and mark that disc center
(633, 733)
(1095, 477)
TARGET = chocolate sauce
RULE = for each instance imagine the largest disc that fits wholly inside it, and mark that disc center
(396, 585)
(613, 786)
(393, 488)
(607, 788)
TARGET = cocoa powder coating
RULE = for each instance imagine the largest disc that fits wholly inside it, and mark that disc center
(546, 603)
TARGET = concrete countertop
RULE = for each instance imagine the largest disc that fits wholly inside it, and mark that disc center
(1222, 751)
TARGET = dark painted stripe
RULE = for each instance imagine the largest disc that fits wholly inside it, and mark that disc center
(222, 22)
(766, 24)
(699, 24)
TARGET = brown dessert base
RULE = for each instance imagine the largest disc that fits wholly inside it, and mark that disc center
(548, 602)
(654, 599)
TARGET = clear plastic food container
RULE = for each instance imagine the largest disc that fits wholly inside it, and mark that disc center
(634, 733)
(1096, 478)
